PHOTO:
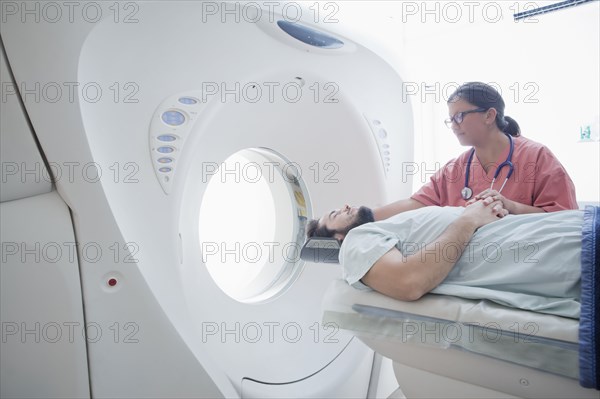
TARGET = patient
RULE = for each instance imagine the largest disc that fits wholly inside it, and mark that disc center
(527, 261)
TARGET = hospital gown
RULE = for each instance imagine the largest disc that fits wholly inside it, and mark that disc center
(524, 261)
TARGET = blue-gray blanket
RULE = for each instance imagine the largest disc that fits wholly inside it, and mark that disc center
(589, 323)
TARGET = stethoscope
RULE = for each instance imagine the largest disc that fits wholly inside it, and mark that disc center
(467, 193)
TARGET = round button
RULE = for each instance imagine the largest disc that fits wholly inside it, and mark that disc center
(165, 160)
(165, 169)
(188, 100)
(166, 138)
(382, 133)
(173, 118)
(165, 150)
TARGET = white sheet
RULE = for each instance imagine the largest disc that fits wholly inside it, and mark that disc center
(543, 342)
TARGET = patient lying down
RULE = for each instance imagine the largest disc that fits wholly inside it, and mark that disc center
(527, 261)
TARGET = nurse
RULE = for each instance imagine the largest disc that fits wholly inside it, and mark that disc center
(520, 173)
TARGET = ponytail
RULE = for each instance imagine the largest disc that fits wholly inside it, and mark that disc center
(508, 125)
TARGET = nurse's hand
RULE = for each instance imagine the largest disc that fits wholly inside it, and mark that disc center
(495, 196)
(484, 211)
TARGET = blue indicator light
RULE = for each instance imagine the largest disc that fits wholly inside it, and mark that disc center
(166, 138)
(165, 150)
(173, 118)
(188, 100)
(165, 170)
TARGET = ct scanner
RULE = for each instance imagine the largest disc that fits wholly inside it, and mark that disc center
(132, 121)
(159, 162)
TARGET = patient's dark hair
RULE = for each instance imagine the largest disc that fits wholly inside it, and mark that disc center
(314, 230)
(485, 96)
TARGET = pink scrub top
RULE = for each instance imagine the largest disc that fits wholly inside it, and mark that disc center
(538, 179)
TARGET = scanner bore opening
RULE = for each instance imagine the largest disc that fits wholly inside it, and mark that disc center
(251, 224)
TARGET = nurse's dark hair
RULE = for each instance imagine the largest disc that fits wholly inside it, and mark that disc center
(314, 230)
(485, 96)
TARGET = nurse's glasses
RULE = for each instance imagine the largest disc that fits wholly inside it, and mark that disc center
(459, 116)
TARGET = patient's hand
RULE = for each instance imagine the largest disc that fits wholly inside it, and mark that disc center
(484, 211)
(495, 195)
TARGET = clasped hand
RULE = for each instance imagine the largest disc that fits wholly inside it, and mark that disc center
(493, 194)
(484, 211)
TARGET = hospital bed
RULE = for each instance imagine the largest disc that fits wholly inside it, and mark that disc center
(444, 346)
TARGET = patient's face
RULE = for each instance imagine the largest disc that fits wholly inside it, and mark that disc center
(348, 217)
